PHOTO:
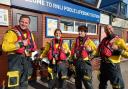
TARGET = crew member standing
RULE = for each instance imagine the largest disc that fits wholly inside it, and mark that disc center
(111, 48)
(18, 42)
(82, 51)
(57, 53)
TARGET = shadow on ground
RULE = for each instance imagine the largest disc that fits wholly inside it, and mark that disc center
(39, 84)
(42, 84)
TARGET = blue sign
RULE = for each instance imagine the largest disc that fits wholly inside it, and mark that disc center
(59, 7)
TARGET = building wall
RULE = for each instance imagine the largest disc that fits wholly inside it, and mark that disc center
(3, 29)
(3, 57)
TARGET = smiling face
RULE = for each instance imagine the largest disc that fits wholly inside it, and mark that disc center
(108, 30)
(24, 23)
(58, 34)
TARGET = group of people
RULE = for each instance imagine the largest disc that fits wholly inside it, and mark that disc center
(19, 43)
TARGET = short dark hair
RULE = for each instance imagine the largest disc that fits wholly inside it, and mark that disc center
(24, 16)
(57, 30)
(83, 28)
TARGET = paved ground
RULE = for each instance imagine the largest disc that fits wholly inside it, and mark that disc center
(42, 84)
(38, 85)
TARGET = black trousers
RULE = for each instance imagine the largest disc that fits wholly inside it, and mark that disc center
(59, 71)
(17, 62)
(112, 72)
(83, 74)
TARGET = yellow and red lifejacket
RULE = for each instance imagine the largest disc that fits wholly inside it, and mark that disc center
(31, 44)
(105, 47)
(79, 50)
(56, 51)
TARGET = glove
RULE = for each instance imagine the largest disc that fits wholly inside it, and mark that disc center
(117, 52)
(23, 43)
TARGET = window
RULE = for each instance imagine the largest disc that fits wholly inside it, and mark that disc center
(66, 25)
(51, 25)
(71, 26)
(112, 8)
(96, 41)
(92, 28)
(93, 2)
(68, 42)
(77, 24)
(72, 42)
(117, 8)
(33, 23)
(123, 9)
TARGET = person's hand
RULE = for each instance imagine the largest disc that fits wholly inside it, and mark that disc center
(25, 42)
(115, 47)
(88, 48)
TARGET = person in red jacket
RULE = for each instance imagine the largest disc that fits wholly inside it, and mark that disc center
(19, 42)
